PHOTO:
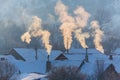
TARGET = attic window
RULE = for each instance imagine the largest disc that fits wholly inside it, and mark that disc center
(61, 57)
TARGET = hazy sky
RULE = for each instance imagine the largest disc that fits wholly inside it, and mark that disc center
(18, 13)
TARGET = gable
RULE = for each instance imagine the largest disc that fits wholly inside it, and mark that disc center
(61, 57)
(28, 54)
(110, 73)
(16, 55)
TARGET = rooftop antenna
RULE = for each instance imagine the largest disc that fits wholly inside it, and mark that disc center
(48, 57)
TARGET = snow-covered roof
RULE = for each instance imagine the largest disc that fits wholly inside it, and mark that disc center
(31, 64)
(83, 51)
(117, 51)
(29, 54)
(115, 62)
(74, 59)
(32, 76)
(79, 54)
(75, 56)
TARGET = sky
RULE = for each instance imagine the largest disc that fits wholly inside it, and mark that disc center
(16, 16)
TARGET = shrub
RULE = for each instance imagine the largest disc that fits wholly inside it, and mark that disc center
(7, 70)
(65, 73)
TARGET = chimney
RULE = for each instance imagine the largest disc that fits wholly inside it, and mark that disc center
(86, 55)
(48, 57)
(48, 64)
(67, 46)
(27, 45)
(67, 50)
(36, 54)
(110, 57)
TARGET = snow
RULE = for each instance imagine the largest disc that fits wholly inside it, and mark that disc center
(31, 64)
(74, 56)
(29, 54)
(83, 51)
(115, 62)
(74, 59)
(35, 66)
(32, 76)
(117, 51)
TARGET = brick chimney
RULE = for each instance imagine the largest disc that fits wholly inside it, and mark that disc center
(110, 57)
(48, 64)
(67, 50)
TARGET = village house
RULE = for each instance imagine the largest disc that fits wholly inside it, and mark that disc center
(76, 56)
(25, 59)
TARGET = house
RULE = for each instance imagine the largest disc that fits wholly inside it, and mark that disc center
(76, 57)
(7, 57)
(26, 59)
(27, 54)
(110, 73)
(83, 51)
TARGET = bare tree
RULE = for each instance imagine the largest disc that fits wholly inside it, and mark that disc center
(99, 69)
(65, 73)
(7, 70)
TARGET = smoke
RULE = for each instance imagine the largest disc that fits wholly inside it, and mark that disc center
(35, 30)
(81, 37)
(26, 37)
(15, 15)
(14, 11)
(114, 23)
(81, 18)
(97, 36)
(45, 40)
(68, 25)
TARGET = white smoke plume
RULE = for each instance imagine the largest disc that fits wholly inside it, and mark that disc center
(97, 36)
(35, 27)
(81, 37)
(68, 23)
(45, 39)
(26, 37)
(35, 30)
(81, 18)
